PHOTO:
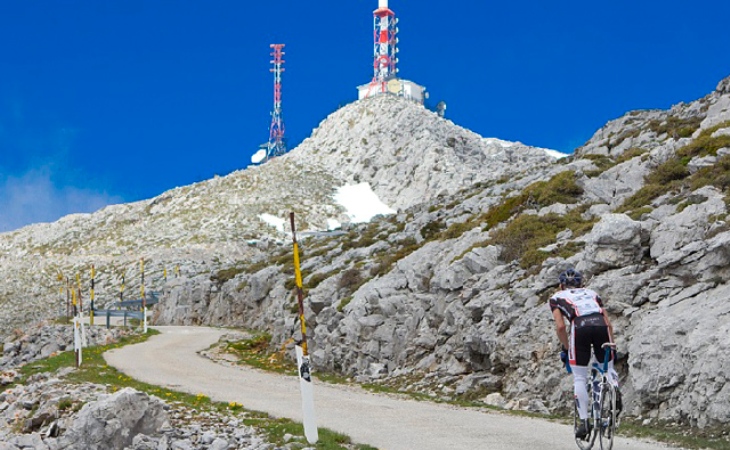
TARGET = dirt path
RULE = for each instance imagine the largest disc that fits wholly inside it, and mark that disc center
(385, 422)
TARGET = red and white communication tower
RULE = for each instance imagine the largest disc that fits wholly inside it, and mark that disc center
(277, 143)
(385, 60)
(385, 46)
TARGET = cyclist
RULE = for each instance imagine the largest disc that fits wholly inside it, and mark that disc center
(590, 327)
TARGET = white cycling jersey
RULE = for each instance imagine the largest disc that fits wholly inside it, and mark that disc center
(577, 302)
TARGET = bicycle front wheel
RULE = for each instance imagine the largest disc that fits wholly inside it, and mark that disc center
(587, 442)
(607, 419)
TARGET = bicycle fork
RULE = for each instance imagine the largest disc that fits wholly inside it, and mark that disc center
(596, 397)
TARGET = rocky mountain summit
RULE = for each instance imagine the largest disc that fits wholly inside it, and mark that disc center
(448, 296)
(208, 224)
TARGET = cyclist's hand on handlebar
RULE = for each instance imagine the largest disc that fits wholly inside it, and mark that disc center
(564, 356)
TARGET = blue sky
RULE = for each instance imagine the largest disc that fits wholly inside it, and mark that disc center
(119, 100)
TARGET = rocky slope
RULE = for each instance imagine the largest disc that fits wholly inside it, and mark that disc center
(449, 295)
(207, 224)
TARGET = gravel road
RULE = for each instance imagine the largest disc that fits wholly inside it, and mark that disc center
(386, 422)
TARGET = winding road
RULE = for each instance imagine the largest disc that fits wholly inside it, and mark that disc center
(170, 359)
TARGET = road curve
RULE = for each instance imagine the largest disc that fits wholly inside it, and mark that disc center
(171, 360)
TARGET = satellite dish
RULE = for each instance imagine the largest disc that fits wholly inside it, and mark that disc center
(441, 108)
(394, 86)
(258, 156)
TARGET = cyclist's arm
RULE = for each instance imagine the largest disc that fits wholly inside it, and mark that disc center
(610, 327)
(560, 328)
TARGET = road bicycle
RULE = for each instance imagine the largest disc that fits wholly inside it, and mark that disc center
(603, 416)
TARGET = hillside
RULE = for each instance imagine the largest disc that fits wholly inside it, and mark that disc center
(447, 297)
(207, 225)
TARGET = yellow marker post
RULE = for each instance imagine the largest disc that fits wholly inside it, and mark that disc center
(68, 298)
(78, 288)
(59, 277)
(77, 336)
(91, 312)
(121, 290)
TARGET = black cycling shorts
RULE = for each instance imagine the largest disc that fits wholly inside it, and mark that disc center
(589, 335)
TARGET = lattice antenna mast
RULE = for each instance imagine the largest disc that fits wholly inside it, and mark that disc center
(385, 33)
(277, 142)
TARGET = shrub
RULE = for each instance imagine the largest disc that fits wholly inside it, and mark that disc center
(705, 144)
(630, 154)
(457, 229)
(673, 175)
(562, 188)
(638, 213)
(673, 169)
(344, 302)
(522, 238)
(364, 239)
(432, 229)
(717, 175)
(225, 275)
(502, 212)
(350, 280)
(623, 136)
(601, 161)
(526, 233)
(317, 278)
(643, 197)
(676, 127)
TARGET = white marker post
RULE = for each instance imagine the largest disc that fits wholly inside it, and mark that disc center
(77, 342)
(303, 365)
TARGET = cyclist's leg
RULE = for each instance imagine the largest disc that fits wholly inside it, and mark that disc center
(580, 377)
(600, 336)
(580, 355)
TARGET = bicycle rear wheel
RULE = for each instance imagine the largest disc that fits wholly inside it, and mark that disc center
(607, 419)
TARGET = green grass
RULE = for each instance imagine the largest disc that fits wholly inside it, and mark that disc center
(676, 127)
(255, 352)
(95, 370)
(523, 237)
(711, 438)
(344, 302)
(674, 177)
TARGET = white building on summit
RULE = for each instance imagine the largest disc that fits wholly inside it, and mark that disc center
(385, 59)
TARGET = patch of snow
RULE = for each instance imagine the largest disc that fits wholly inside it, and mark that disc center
(273, 221)
(555, 153)
(498, 142)
(360, 202)
(333, 224)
